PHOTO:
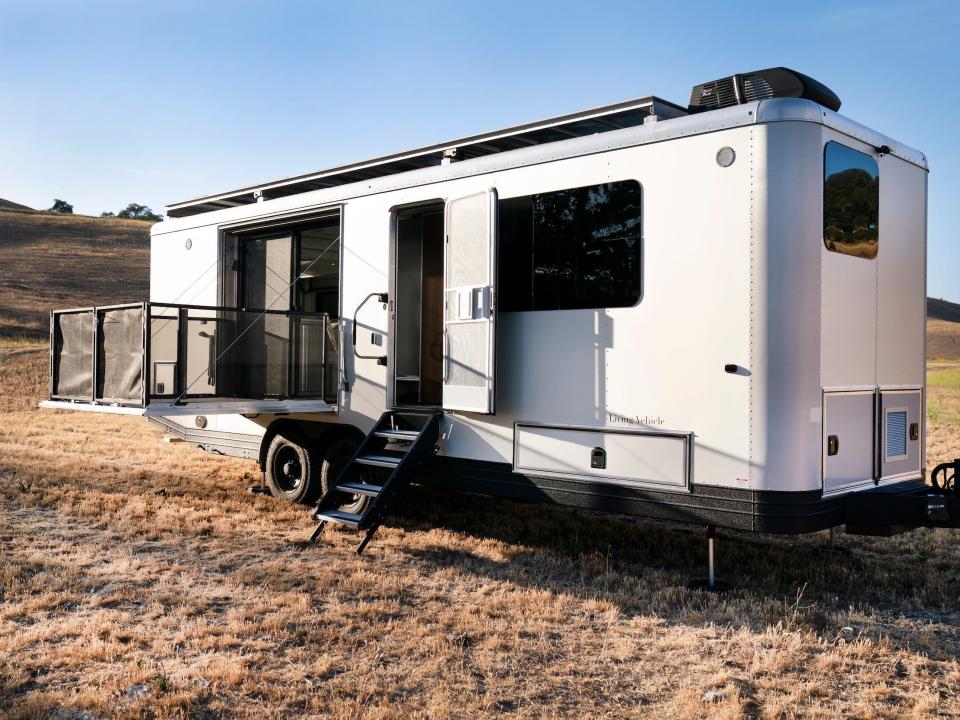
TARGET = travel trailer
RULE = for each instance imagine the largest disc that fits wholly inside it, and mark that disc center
(712, 314)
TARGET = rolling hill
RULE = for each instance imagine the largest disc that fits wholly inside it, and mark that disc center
(51, 261)
(938, 309)
(10, 205)
(943, 330)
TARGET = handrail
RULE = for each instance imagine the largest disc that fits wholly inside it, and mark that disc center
(227, 308)
(381, 359)
(181, 306)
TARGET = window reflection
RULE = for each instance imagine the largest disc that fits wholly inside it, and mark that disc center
(571, 249)
(851, 201)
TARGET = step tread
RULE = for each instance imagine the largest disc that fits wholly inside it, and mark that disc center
(359, 488)
(339, 517)
(397, 434)
(379, 460)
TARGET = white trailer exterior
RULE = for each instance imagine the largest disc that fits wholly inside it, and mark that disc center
(759, 380)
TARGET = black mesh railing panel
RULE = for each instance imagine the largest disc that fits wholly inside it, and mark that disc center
(120, 355)
(73, 356)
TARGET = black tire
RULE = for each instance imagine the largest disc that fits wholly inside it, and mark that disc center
(293, 470)
(336, 455)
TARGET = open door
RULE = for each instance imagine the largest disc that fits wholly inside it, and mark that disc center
(266, 281)
(469, 283)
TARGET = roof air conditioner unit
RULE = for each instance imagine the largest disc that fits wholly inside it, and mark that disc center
(760, 85)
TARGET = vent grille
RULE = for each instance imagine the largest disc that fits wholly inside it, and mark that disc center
(716, 94)
(756, 87)
(896, 434)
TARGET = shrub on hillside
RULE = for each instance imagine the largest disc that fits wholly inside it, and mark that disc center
(61, 206)
(133, 211)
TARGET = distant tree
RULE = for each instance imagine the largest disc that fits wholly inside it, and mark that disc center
(62, 206)
(133, 211)
(108, 214)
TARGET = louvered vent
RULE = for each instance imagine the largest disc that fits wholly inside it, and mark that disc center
(756, 87)
(896, 434)
(712, 95)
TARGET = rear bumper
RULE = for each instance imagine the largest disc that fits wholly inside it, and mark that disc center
(897, 508)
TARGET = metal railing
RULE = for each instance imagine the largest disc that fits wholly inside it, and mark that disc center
(134, 353)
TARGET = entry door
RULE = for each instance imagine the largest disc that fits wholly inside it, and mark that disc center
(469, 283)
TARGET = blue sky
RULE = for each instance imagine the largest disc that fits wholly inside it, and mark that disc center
(106, 103)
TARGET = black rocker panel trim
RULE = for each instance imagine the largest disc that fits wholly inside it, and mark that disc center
(752, 510)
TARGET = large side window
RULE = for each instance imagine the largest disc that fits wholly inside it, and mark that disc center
(851, 201)
(571, 249)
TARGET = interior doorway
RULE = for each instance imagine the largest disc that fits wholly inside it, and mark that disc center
(418, 306)
(292, 271)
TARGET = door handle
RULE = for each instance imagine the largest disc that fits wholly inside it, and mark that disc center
(833, 444)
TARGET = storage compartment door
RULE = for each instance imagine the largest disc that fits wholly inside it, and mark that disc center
(848, 439)
(469, 281)
(649, 459)
(901, 433)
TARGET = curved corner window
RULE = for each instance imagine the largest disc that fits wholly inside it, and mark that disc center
(571, 249)
(851, 201)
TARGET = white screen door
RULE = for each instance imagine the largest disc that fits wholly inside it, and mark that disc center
(469, 282)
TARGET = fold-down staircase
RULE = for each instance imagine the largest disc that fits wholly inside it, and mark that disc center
(383, 465)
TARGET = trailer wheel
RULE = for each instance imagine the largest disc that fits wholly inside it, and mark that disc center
(292, 470)
(335, 458)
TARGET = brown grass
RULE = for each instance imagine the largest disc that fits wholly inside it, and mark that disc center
(56, 261)
(139, 579)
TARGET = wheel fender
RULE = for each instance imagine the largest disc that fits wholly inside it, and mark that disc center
(313, 434)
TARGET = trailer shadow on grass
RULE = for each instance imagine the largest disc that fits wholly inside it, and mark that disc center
(874, 587)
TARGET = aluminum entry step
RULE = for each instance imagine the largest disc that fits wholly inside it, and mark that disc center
(399, 435)
(359, 488)
(379, 461)
(401, 464)
(339, 517)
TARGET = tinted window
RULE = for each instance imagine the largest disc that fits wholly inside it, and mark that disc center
(571, 249)
(851, 201)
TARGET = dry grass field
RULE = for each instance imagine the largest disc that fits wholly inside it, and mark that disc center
(138, 579)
